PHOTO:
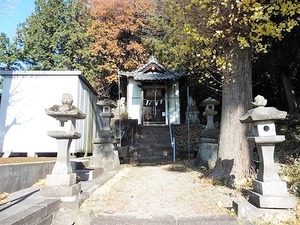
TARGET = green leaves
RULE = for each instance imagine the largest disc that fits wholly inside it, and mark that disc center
(54, 36)
(9, 54)
(216, 24)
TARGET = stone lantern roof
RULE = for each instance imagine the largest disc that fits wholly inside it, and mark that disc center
(66, 110)
(209, 101)
(262, 113)
(151, 71)
(106, 102)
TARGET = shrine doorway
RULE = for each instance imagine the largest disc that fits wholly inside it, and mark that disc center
(154, 105)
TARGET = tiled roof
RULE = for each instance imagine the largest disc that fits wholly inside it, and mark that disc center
(152, 70)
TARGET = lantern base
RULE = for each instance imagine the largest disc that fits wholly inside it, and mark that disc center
(273, 188)
(66, 194)
(272, 202)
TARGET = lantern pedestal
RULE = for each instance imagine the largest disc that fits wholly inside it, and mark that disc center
(105, 154)
(268, 190)
(209, 140)
(61, 183)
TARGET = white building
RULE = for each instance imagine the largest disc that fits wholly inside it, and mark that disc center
(23, 121)
(152, 94)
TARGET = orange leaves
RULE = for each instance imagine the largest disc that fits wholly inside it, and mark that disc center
(117, 28)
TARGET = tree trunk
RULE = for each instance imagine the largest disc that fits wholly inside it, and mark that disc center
(290, 96)
(234, 156)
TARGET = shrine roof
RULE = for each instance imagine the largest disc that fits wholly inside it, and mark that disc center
(152, 70)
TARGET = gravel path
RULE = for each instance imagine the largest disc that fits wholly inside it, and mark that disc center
(165, 190)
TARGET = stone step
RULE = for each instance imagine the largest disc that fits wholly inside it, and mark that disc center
(85, 174)
(143, 135)
(154, 144)
(154, 128)
(155, 132)
(161, 152)
(164, 220)
(26, 207)
(154, 159)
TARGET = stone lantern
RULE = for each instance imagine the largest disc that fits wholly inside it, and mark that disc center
(268, 190)
(106, 106)
(208, 142)
(192, 112)
(210, 112)
(62, 182)
(105, 154)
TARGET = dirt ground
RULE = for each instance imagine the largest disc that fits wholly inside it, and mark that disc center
(169, 190)
(12, 160)
(160, 190)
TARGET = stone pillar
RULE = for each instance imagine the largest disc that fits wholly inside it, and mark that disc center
(192, 112)
(268, 190)
(208, 142)
(105, 154)
(61, 183)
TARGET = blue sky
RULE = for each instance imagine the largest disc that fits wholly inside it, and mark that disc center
(11, 15)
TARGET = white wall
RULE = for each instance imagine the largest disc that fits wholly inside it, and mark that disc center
(173, 104)
(134, 104)
(23, 121)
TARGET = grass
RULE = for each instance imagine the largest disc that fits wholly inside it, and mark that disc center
(13, 160)
(288, 154)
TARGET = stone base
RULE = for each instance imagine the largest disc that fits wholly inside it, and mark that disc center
(272, 188)
(108, 160)
(66, 194)
(61, 180)
(273, 202)
(207, 154)
(247, 213)
(88, 173)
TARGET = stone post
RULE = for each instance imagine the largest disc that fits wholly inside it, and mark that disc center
(192, 112)
(208, 142)
(268, 190)
(105, 154)
(61, 183)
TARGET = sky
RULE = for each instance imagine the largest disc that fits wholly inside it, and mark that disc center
(12, 13)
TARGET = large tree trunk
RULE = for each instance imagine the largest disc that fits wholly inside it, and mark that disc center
(234, 156)
(290, 96)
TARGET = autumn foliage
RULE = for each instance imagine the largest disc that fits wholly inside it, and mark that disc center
(119, 27)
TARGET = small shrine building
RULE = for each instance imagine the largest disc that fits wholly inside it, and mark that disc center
(152, 94)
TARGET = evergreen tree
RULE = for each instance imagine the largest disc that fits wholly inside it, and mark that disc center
(9, 54)
(55, 37)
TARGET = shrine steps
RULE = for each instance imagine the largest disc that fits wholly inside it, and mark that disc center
(154, 145)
